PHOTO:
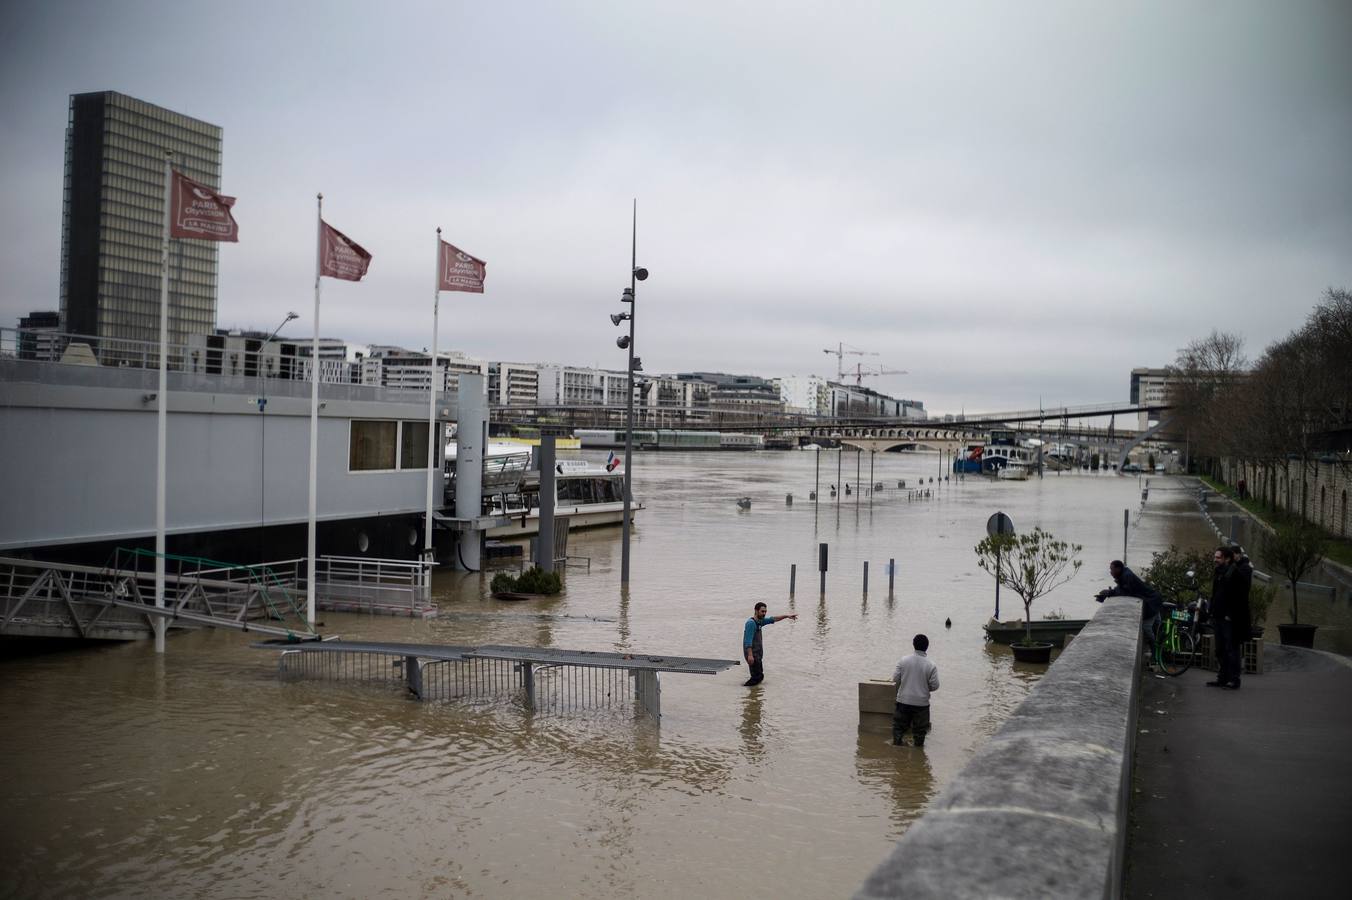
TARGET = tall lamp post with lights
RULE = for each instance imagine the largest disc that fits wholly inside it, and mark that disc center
(626, 342)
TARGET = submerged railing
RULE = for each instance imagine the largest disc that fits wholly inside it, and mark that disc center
(546, 681)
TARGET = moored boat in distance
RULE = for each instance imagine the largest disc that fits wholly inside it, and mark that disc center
(588, 494)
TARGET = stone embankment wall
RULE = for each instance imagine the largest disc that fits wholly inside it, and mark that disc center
(1041, 810)
(1319, 496)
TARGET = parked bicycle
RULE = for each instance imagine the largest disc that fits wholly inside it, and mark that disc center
(1179, 634)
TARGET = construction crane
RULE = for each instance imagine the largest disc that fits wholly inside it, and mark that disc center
(860, 373)
(840, 353)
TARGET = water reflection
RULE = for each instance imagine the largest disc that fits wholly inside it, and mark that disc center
(903, 774)
(753, 746)
(624, 634)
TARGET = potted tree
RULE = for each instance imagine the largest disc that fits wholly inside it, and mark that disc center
(1293, 550)
(1030, 565)
(1260, 598)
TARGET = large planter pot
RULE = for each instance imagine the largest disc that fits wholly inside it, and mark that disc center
(1037, 652)
(1297, 635)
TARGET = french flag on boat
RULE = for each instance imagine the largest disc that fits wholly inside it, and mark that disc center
(613, 462)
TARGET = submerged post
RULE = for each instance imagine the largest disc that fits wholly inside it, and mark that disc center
(858, 473)
(793, 578)
(528, 679)
(413, 676)
(865, 576)
(1126, 521)
(817, 480)
(891, 575)
(544, 541)
(821, 564)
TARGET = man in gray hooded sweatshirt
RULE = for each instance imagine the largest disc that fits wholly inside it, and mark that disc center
(915, 677)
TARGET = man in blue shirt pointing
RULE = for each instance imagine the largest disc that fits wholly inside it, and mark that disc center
(752, 648)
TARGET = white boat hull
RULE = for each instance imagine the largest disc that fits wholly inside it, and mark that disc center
(588, 516)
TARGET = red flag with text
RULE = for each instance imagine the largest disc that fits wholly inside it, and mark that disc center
(196, 211)
(460, 271)
(339, 255)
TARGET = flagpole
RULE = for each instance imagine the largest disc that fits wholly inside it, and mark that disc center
(162, 409)
(432, 456)
(314, 420)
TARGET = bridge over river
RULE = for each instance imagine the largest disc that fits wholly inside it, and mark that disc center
(1062, 424)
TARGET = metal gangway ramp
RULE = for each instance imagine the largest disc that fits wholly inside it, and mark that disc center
(117, 601)
(550, 681)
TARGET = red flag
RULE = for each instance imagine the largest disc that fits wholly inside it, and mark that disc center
(199, 212)
(460, 271)
(339, 255)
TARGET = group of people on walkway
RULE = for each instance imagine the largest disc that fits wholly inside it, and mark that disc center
(915, 676)
(1228, 611)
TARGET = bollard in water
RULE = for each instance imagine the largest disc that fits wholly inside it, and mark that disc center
(793, 578)
(865, 576)
(891, 575)
(788, 499)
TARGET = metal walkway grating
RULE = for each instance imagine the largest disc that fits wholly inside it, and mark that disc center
(549, 681)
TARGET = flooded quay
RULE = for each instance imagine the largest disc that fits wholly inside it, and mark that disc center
(201, 773)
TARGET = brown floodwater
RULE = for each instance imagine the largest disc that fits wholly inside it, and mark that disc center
(202, 774)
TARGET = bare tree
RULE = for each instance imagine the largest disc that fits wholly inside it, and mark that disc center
(1294, 550)
(1203, 380)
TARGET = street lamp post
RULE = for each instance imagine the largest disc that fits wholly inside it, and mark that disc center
(626, 342)
(263, 430)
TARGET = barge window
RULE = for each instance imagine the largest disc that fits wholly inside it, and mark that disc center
(372, 445)
(413, 449)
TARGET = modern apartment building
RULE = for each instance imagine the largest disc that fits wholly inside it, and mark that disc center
(244, 353)
(1149, 386)
(572, 386)
(400, 369)
(513, 384)
(112, 223)
(738, 393)
(670, 402)
(808, 394)
(855, 401)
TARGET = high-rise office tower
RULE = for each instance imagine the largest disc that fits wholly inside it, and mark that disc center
(112, 221)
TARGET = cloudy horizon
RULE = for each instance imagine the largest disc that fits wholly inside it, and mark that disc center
(1011, 203)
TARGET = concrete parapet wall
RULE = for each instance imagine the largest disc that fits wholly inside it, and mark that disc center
(1041, 811)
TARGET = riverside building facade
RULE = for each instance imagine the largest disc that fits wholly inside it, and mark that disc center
(112, 223)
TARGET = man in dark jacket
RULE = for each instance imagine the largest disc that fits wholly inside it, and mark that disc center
(1127, 583)
(1230, 613)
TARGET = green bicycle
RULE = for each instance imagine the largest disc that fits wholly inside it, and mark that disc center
(1176, 638)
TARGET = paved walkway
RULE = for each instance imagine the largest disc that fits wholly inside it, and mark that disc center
(1245, 793)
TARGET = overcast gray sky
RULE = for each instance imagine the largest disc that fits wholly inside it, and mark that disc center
(1009, 200)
